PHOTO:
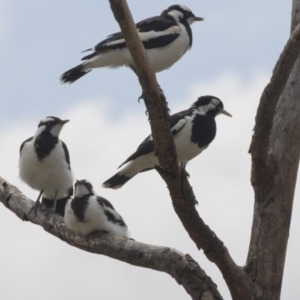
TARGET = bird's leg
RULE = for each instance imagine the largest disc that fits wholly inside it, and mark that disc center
(187, 175)
(37, 203)
(52, 209)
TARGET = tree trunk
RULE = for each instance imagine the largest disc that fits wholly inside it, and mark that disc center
(275, 159)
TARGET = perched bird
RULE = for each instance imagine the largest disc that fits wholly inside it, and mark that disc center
(45, 162)
(166, 38)
(88, 212)
(193, 130)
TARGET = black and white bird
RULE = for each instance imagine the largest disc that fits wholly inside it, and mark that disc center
(166, 38)
(88, 212)
(193, 130)
(45, 162)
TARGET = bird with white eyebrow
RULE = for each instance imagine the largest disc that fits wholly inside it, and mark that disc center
(193, 130)
(166, 39)
(88, 212)
(44, 162)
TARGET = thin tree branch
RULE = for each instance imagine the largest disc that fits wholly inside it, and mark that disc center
(181, 192)
(183, 268)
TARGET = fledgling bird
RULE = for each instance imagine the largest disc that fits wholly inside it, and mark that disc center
(193, 130)
(166, 38)
(45, 162)
(88, 212)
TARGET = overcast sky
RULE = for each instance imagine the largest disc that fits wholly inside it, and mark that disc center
(233, 54)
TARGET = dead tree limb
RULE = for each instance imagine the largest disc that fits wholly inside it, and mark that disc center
(182, 267)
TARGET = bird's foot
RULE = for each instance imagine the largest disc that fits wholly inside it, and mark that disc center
(159, 169)
(48, 210)
(141, 98)
(35, 207)
(7, 200)
(185, 173)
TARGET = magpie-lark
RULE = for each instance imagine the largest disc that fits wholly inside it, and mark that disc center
(45, 162)
(166, 38)
(88, 212)
(193, 130)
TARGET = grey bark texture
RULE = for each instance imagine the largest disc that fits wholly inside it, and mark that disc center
(275, 151)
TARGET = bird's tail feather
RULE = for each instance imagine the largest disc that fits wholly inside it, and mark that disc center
(116, 181)
(73, 74)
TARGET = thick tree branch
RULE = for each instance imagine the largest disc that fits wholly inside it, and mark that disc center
(275, 153)
(181, 192)
(183, 268)
(259, 148)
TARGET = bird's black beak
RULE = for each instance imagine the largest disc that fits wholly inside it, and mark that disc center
(198, 19)
(64, 122)
(226, 113)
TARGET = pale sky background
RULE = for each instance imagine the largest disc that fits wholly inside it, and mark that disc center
(233, 54)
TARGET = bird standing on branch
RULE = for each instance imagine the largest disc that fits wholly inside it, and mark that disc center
(166, 38)
(88, 212)
(193, 130)
(45, 162)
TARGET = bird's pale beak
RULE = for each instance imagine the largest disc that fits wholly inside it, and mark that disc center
(226, 113)
(64, 122)
(198, 19)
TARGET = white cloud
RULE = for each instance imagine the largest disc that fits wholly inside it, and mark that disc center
(98, 144)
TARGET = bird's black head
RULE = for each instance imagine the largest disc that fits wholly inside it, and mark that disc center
(181, 13)
(209, 105)
(52, 125)
(83, 188)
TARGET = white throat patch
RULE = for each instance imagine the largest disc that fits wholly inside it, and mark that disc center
(81, 190)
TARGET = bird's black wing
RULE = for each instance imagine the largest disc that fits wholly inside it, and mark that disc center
(67, 155)
(22, 145)
(177, 122)
(154, 33)
(111, 214)
(147, 146)
(102, 201)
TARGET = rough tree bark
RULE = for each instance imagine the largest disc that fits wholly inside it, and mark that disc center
(275, 151)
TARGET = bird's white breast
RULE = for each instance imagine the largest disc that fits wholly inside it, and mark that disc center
(50, 174)
(164, 57)
(94, 219)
